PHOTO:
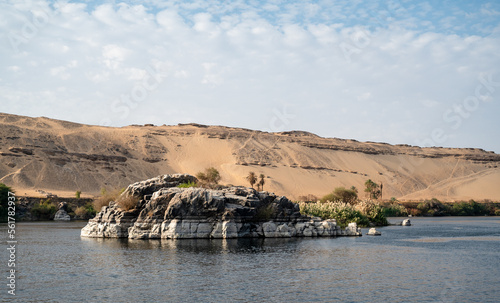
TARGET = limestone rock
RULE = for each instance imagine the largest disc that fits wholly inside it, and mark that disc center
(406, 222)
(168, 212)
(374, 232)
(61, 215)
(147, 187)
(352, 229)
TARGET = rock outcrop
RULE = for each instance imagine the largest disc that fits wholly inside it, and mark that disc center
(62, 214)
(374, 232)
(405, 222)
(168, 212)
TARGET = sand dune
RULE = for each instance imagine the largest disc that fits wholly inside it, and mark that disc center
(62, 157)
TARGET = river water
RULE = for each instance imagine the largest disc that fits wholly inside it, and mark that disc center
(451, 259)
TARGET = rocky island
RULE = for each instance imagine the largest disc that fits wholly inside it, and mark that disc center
(165, 211)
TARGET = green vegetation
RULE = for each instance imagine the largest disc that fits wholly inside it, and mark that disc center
(261, 181)
(264, 213)
(364, 213)
(344, 206)
(85, 212)
(209, 178)
(4, 201)
(69, 210)
(127, 203)
(341, 194)
(374, 212)
(78, 193)
(394, 210)
(471, 208)
(373, 190)
(434, 207)
(343, 213)
(123, 202)
(106, 198)
(187, 185)
(252, 178)
(44, 210)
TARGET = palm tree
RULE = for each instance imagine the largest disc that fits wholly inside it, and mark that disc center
(372, 189)
(252, 178)
(262, 181)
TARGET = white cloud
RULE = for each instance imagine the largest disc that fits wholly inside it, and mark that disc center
(60, 72)
(14, 68)
(364, 96)
(250, 59)
(429, 103)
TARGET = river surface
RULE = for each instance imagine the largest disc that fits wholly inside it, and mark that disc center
(451, 259)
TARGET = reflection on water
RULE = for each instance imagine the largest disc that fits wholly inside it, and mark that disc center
(436, 260)
(448, 239)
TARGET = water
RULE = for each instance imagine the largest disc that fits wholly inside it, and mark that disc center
(436, 260)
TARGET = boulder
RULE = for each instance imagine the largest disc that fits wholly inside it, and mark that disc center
(352, 229)
(406, 222)
(61, 215)
(63, 206)
(147, 187)
(168, 212)
(374, 232)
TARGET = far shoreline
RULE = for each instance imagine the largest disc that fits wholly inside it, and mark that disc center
(432, 208)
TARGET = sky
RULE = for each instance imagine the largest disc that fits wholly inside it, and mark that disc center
(401, 72)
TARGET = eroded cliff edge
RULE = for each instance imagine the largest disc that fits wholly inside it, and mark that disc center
(168, 212)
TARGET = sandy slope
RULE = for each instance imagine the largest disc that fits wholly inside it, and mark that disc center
(62, 157)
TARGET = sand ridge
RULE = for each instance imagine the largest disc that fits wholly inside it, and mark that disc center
(62, 157)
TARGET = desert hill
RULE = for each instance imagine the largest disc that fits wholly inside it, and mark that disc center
(62, 157)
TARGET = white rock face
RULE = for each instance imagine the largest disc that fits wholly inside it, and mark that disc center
(61, 215)
(374, 232)
(192, 229)
(352, 229)
(269, 229)
(406, 222)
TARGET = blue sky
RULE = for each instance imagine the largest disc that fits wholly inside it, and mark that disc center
(402, 72)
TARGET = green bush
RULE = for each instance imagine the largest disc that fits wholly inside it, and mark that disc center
(106, 198)
(209, 178)
(78, 194)
(341, 194)
(264, 213)
(187, 185)
(85, 212)
(373, 211)
(127, 203)
(70, 211)
(433, 207)
(343, 213)
(373, 189)
(44, 210)
(394, 210)
(375, 214)
(471, 208)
